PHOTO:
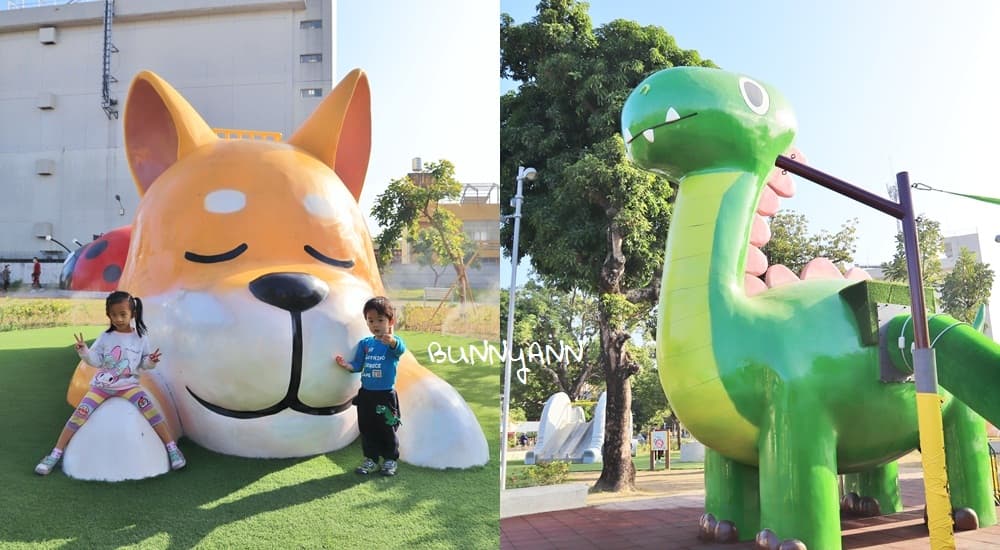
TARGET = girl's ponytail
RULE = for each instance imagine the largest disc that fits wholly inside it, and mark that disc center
(140, 327)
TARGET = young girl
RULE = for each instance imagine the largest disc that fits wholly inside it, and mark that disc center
(120, 353)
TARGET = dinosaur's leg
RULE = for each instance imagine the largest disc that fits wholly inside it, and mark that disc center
(969, 474)
(798, 472)
(732, 500)
(876, 490)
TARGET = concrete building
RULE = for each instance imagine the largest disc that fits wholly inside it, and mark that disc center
(65, 69)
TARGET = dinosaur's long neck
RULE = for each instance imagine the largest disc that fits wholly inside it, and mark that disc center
(706, 251)
(705, 257)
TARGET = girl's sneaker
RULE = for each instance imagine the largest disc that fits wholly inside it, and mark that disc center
(367, 467)
(176, 458)
(388, 468)
(44, 467)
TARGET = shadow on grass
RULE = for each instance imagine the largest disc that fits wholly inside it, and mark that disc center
(219, 500)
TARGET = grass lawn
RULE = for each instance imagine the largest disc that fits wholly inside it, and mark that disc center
(220, 501)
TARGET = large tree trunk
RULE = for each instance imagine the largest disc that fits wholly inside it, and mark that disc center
(618, 473)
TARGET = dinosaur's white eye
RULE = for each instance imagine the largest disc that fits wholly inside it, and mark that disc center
(754, 95)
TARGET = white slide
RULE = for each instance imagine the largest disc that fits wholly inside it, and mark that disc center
(565, 434)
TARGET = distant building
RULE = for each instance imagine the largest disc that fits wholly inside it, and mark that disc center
(249, 64)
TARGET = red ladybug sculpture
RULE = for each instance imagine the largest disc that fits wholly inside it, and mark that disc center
(97, 265)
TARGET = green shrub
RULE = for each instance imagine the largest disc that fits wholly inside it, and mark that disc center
(549, 473)
(478, 321)
(21, 314)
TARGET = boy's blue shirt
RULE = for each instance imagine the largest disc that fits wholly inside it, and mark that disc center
(377, 363)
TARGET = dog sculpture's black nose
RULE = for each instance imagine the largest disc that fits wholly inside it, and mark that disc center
(294, 292)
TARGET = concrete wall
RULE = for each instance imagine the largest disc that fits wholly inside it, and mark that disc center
(236, 61)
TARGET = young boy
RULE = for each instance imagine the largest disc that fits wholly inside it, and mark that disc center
(378, 407)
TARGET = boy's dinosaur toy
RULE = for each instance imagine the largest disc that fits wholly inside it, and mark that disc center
(254, 260)
(781, 378)
(390, 419)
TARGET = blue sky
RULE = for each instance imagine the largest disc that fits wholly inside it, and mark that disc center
(433, 67)
(877, 87)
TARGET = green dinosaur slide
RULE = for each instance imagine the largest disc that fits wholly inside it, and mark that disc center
(788, 379)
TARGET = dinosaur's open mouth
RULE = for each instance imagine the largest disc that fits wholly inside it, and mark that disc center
(780, 184)
(671, 118)
(291, 399)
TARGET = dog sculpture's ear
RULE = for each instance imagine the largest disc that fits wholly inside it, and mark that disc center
(339, 132)
(161, 127)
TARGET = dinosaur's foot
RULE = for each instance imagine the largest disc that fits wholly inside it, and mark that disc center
(965, 519)
(767, 540)
(853, 503)
(711, 529)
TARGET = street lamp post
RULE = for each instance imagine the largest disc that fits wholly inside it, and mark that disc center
(53, 239)
(522, 174)
(121, 207)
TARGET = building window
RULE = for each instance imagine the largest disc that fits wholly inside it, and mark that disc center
(311, 24)
(311, 58)
(312, 92)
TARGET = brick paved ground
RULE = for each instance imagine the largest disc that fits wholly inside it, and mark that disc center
(672, 522)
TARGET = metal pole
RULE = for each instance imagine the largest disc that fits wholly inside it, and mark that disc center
(932, 455)
(505, 414)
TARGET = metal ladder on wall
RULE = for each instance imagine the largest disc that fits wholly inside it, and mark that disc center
(108, 103)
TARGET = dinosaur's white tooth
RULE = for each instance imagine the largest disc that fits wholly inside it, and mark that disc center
(672, 115)
(627, 135)
(648, 134)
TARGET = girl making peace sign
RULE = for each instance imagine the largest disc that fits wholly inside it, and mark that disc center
(120, 353)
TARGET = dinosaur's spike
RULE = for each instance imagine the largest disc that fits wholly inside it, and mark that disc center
(820, 268)
(769, 202)
(857, 274)
(760, 232)
(756, 261)
(753, 285)
(779, 275)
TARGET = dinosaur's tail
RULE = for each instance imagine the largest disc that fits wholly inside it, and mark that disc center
(968, 362)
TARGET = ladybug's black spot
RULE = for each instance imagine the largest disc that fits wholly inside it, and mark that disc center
(95, 249)
(112, 273)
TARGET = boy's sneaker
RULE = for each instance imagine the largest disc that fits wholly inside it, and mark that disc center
(176, 458)
(388, 468)
(367, 467)
(44, 467)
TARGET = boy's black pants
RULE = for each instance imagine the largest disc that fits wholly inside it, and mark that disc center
(378, 439)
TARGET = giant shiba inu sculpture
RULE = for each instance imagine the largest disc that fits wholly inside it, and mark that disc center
(254, 260)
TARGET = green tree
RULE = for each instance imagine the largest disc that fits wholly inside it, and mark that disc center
(931, 245)
(591, 220)
(967, 287)
(566, 323)
(412, 207)
(425, 245)
(791, 244)
(648, 399)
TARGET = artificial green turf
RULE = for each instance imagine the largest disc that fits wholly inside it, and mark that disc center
(220, 501)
